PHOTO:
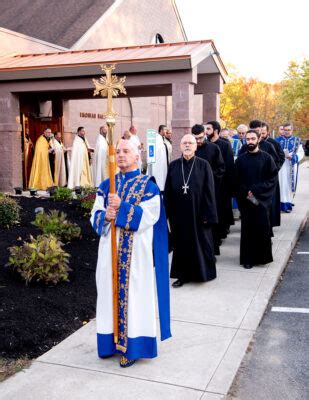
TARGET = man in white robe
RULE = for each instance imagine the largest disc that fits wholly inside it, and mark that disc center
(100, 158)
(288, 174)
(135, 139)
(142, 244)
(159, 168)
(168, 144)
(80, 172)
(60, 176)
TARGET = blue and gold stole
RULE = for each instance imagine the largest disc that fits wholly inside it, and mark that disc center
(132, 192)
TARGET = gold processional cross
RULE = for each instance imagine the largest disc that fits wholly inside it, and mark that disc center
(109, 86)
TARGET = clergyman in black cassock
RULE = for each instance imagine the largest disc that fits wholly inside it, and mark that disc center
(276, 205)
(256, 177)
(211, 153)
(267, 147)
(189, 198)
(225, 211)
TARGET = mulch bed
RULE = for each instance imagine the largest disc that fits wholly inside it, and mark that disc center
(35, 318)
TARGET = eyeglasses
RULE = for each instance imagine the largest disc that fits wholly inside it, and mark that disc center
(188, 143)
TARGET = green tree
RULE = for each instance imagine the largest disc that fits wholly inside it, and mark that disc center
(294, 96)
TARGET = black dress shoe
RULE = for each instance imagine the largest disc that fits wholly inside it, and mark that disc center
(125, 362)
(248, 266)
(178, 283)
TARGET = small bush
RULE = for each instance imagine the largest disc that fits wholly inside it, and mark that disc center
(9, 212)
(88, 202)
(40, 260)
(87, 198)
(55, 223)
(63, 194)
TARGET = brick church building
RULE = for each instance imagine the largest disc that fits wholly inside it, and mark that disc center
(51, 50)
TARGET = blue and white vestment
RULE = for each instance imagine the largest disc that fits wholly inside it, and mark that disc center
(142, 244)
(288, 174)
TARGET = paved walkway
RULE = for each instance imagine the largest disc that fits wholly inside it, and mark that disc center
(212, 326)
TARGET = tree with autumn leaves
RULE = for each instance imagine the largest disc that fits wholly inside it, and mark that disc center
(287, 101)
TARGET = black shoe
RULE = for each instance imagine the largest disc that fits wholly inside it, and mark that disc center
(125, 362)
(248, 266)
(178, 283)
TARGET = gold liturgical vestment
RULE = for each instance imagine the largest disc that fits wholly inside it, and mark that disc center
(40, 177)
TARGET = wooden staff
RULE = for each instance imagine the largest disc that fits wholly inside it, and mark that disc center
(109, 86)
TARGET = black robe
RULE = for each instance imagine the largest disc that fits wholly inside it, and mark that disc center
(192, 241)
(225, 210)
(265, 145)
(212, 153)
(276, 208)
(256, 172)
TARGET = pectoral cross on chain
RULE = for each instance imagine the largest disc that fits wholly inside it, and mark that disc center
(185, 188)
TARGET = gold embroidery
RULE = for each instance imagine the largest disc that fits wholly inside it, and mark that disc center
(126, 234)
(129, 219)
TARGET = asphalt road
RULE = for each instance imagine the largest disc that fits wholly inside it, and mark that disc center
(276, 366)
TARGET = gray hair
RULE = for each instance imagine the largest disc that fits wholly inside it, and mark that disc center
(189, 134)
(131, 145)
(242, 126)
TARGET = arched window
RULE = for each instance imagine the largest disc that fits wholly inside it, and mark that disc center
(157, 39)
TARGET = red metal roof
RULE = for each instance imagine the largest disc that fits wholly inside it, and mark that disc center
(119, 55)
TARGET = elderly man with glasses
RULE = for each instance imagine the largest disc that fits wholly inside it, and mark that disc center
(190, 202)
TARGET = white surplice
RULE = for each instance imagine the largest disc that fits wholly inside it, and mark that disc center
(60, 178)
(288, 174)
(140, 303)
(100, 160)
(80, 172)
(159, 169)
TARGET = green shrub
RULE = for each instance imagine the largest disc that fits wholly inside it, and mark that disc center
(55, 223)
(40, 260)
(9, 212)
(87, 198)
(88, 202)
(63, 194)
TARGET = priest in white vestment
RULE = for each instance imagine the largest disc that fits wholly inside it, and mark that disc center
(288, 174)
(60, 176)
(80, 172)
(100, 158)
(135, 139)
(159, 168)
(142, 262)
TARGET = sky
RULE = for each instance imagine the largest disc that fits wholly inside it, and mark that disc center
(258, 37)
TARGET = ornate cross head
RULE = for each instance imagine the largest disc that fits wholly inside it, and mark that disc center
(109, 86)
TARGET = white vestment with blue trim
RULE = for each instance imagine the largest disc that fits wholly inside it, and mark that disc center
(288, 174)
(142, 244)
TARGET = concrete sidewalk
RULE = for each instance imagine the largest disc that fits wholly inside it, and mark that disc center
(212, 326)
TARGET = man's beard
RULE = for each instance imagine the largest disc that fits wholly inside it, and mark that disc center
(252, 147)
(210, 136)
